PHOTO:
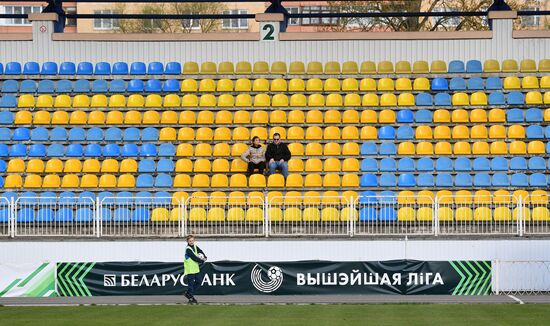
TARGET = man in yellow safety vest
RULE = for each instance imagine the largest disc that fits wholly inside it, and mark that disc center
(194, 258)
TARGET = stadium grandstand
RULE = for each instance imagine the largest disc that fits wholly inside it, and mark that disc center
(414, 134)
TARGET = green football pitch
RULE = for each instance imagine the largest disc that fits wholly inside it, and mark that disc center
(281, 315)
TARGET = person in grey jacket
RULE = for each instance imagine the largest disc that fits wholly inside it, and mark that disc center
(255, 156)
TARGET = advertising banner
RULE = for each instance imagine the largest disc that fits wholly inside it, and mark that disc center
(278, 278)
(27, 280)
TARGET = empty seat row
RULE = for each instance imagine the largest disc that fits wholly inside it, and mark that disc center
(491, 83)
(278, 100)
(65, 86)
(458, 180)
(87, 68)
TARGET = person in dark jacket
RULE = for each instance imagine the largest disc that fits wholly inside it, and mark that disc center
(277, 156)
(194, 258)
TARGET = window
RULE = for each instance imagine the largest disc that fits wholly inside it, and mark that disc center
(293, 10)
(318, 20)
(238, 23)
(446, 21)
(530, 21)
(191, 23)
(18, 10)
(70, 22)
(105, 23)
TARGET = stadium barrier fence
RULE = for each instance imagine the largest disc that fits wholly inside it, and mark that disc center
(527, 277)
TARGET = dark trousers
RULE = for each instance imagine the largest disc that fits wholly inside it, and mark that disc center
(193, 282)
(253, 166)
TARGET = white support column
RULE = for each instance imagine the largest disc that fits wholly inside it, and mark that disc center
(42, 31)
(270, 26)
(503, 26)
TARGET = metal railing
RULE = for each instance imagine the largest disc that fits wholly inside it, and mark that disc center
(279, 216)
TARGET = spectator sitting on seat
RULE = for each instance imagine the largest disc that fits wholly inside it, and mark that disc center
(277, 156)
(255, 156)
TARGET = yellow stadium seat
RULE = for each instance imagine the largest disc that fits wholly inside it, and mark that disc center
(420, 67)
(70, 181)
(516, 131)
(296, 85)
(313, 180)
(278, 67)
(442, 116)
(502, 214)
(331, 180)
(151, 101)
(260, 85)
(445, 214)
(462, 148)
(130, 118)
(328, 214)
(184, 181)
(219, 181)
(207, 100)
(226, 100)
(260, 68)
(205, 117)
(403, 84)
(544, 65)
(332, 67)
(405, 99)
(442, 132)
(34, 166)
(387, 116)
(331, 85)
(297, 68)
(518, 147)
(292, 214)
(388, 99)
(276, 181)
(16, 165)
(350, 165)
(257, 181)
(349, 116)
(298, 100)
(350, 133)
(13, 181)
(460, 99)
(545, 82)
(96, 118)
(369, 100)
(23, 118)
(61, 101)
(497, 115)
(297, 116)
(438, 67)
(82, 101)
(296, 149)
(330, 165)
(167, 134)
(26, 101)
(243, 85)
(367, 67)
(350, 180)
(385, 84)
(208, 68)
(75, 166)
(535, 147)
(461, 132)
(510, 65)
(333, 100)
(314, 68)
(190, 100)
(540, 214)
(331, 149)
(107, 181)
(134, 101)
(184, 165)
(278, 85)
(406, 214)
(491, 65)
(478, 115)
(464, 214)
(295, 133)
(191, 85)
(421, 84)
(367, 84)
(202, 166)
(403, 67)
(314, 116)
(482, 197)
(478, 98)
(151, 117)
(128, 166)
(222, 133)
(538, 197)
(482, 214)
(368, 116)
(350, 68)
(314, 133)
(315, 164)
(262, 100)
(243, 68)
(238, 149)
(443, 148)
(498, 148)
(51, 181)
(350, 148)
(385, 67)
(424, 148)
(314, 85)
(277, 116)
(53, 166)
(479, 132)
(497, 132)
(190, 68)
(114, 118)
(115, 101)
(32, 181)
(512, 82)
(294, 180)
(41, 118)
(200, 181)
(184, 150)
(204, 133)
(460, 116)
(260, 132)
(406, 197)
(89, 181)
(226, 68)
(295, 165)
(352, 100)
(331, 116)
(78, 118)
(529, 82)
(533, 98)
(423, 132)
(350, 84)
(405, 148)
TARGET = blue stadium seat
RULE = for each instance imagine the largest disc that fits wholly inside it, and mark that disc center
(387, 196)
(138, 68)
(499, 164)
(533, 115)
(442, 99)
(141, 215)
(536, 180)
(163, 181)
(474, 66)
(440, 84)
(167, 150)
(405, 116)
(368, 214)
(388, 165)
(131, 134)
(124, 197)
(94, 134)
(456, 66)
(4, 152)
(171, 85)
(99, 86)
(406, 180)
(28, 86)
(45, 215)
(129, 150)
(106, 214)
(25, 215)
(405, 132)
(146, 166)
(165, 165)
(388, 148)
(162, 198)
(106, 197)
(111, 150)
(172, 68)
(367, 196)
(514, 115)
(5, 134)
(534, 132)
(86, 197)
(85, 68)
(144, 181)
(406, 164)
(150, 134)
(77, 134)
(9, 195)
(102, 68)
(5, 214)
(387, 214)
(3, 166)
(493, 83)
(148, 150)
(425, 164)
(31, 68)
(463, 164)
(519, 180)
(144, 197)
(369, 165)
(18, 150)
(29, 197)
(475, 84)
(55, 150)
(496, 98)
(388, 180)
(84, 215)
(518, 163)
(67, 68)
(37, 150)
(500, 180)
(463, 180)
(13, 68)
(120, 68)
(386, 132)
(368, 180)
(153, 85)
(515, 98)
(58, 134)
(369, 148)
(535, 163)
(481, 179)
(423, 99)
(67, 197)
(64, 215)
(113, 134)
(444, 164)
(457, 84)
(92, 150)
(74, 150)
(1, 68)
(21, 134)
(425, 180)
(46, 86)
(122, 215)
(117, 86)
(49, 68)
(135, 85)
(82, 86)
(48, 197)
(155, 68)
(10, 86)
(481, 164)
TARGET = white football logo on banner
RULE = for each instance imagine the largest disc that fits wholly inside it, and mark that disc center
(275, 275)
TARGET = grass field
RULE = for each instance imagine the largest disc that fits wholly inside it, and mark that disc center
(281, 315)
